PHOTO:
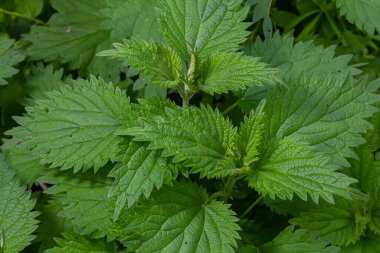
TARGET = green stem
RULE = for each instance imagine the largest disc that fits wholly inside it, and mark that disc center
(240, 171)
(15, 14)
(231, 107)
(2, 120)
(331, 22)
(216, 195)
(252, 206)
(185, 103)
(228, 188)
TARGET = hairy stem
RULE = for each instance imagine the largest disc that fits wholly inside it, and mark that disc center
(186, 91)
(16, 14)
(251, 206)
(185, 101)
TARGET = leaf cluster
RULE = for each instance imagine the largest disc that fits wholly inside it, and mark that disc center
(189, 126)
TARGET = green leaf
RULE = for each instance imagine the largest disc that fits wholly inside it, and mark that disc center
(290, 241)
(223, 72)
(75, 126)
(27, 165)
(366, 169)
(341, 224)
(323, 113)
(374, 225)
(84, 200)
(29, 8)
(291, 166)
(74, 243)
(180, 218)
(203, 26)
(140, 169)
(81, 29)
(17, 220)
(367, 244)
(138, 172)
(51, 225)
(200, 138)
(42, 80)
(145, 109)
(250, 135)
(132, 18)
(372, 137)
(9, 56)
(72, 34)
(261, 11)
(158, 62)
(262, 8)
(364, 14)
(287, 207)
(293, 59)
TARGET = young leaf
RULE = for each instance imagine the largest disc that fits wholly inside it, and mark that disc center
(158, 62)
(203, 26)
(341, 224)
(200, 138)
(180, 218)
(139, 172)
(291, 166)
(290, 241)
(17, 220)
(363, 13)
(75, 126)
(9, 56)
(74, 243)
(250, 135)
(223, 72)
(326, 115)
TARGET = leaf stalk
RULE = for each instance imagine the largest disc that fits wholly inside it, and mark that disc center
(19, 15)
(249, 209)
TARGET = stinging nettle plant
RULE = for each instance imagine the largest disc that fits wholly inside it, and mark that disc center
(154, 176)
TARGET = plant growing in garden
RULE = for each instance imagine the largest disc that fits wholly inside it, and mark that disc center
(146, 161)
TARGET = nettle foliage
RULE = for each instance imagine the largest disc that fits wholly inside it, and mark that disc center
(153, 175)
